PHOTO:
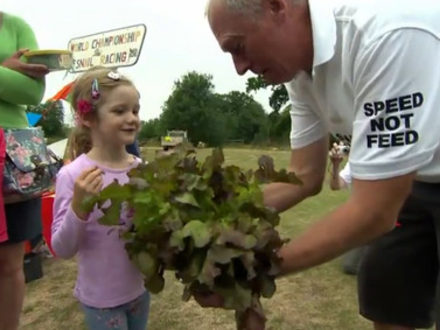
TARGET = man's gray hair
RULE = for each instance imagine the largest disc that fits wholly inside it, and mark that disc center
(245, 7)
(251, 8)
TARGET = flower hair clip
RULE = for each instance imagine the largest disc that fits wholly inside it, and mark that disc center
(84, 107)
(114, 75)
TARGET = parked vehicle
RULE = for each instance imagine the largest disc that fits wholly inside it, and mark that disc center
(173, 139)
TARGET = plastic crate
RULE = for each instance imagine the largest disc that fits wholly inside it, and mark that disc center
(47, 218)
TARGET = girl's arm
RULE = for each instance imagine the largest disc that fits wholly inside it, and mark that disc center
(67, 228)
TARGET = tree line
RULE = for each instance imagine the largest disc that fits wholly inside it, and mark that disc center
(209, 117)
(218, 119)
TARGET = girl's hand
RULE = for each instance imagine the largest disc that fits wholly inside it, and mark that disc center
(31, 70)
(88, 183)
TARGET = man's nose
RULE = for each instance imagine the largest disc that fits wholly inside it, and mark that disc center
(241, 64)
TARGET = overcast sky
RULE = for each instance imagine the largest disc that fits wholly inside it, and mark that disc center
(178, 40)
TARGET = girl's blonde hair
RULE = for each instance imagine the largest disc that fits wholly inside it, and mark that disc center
(80, 140)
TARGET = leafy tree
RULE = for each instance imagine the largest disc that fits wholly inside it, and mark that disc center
(279, 122)
(52, 121)
(279, 95)
(280, 126)
(150, 129)
(246, 116)
(192, 106)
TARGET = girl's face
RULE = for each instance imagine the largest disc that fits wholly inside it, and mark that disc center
(117, 121)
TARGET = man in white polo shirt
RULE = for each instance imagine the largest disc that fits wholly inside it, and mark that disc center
(368, 71)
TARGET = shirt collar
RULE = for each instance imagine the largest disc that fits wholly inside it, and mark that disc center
(323, 31)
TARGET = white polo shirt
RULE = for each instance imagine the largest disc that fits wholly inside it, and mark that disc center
(376, 82)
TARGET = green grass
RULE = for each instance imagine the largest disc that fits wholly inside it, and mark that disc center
(319, 298)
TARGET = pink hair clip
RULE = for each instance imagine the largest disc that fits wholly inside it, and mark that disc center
(95, 89)
(84, 107)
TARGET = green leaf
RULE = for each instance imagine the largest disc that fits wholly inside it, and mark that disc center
(155, 284)
(223, 255)
(237, 239)
(212, 163)
(236, 297)
(146, 263)
(187, 198)
(139, 183)
(192, 269)
(177, 240)
(266, 172)
(192, 181)
(268, 287)
(116, 191)
(88, 203)
(209, 272)
(163, 188)
(172, 223)
(198, 231)
(111, 215)
(143, 198)
(248, 262)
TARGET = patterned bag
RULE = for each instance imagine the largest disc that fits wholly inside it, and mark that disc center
(30, 167)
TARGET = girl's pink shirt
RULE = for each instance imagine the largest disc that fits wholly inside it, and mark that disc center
(106, 276)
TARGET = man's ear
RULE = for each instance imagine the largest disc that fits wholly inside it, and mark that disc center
(276, 7)
(276, 10)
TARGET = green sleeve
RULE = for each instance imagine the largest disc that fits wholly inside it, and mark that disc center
(15, 87)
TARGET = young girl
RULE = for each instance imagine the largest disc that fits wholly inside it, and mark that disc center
(109, 286)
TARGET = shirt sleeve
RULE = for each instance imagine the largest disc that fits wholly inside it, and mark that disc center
(307, 123)
(15, 87)
(67, 228)
(396, 84)
(345, 174)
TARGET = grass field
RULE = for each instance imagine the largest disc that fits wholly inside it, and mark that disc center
(320, 298)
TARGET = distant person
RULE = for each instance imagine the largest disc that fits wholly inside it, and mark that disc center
(21, 84)
(341, 179)
(133, 148)
(109, 286)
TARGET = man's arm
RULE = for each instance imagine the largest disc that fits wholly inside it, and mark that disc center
(308, 163)
(371, 211)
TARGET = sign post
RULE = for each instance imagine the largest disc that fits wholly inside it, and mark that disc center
(113, 48)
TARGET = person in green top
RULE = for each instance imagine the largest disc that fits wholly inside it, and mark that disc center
(21, 84)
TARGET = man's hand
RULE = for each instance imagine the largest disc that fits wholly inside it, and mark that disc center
(31, 70)
(88, 183)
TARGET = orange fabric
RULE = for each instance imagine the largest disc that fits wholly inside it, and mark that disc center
(63, 92)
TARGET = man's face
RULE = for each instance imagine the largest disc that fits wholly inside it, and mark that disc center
(263, 44)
